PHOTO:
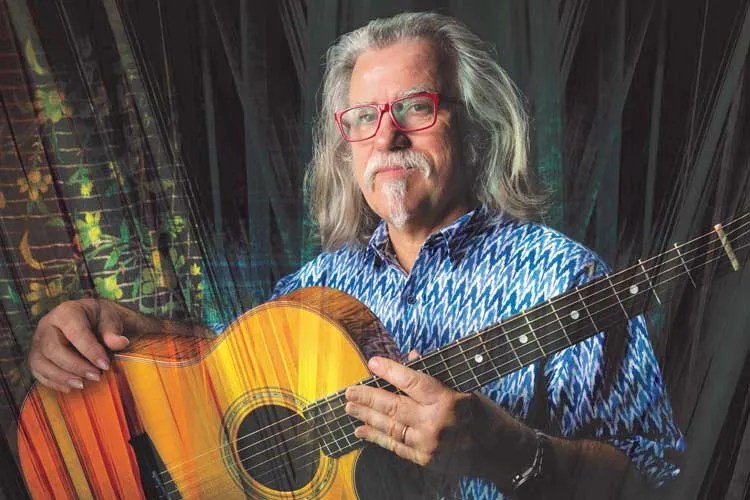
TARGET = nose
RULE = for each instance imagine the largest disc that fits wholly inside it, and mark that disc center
(388, 137)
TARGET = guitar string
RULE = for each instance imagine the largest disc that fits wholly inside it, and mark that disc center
(338, 395)
(317, 450)
(491, 369)
(272, 437)
(713, 242)
(465, 339)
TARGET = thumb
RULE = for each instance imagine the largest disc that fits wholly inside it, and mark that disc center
(110, 330)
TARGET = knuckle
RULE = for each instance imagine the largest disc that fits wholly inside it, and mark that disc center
(411, 382)
(393, 407)
(392, 427)
(92, 349)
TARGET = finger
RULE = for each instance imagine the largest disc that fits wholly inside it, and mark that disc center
(52, 376)
(384, 423)
(110, 330)
(392, 406)
(413, 354)
(52, 385)
(419, 386)
(376, 436)
(50, 344)
(78, 332)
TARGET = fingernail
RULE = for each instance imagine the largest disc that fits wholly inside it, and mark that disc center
(374, 363)
(75, 383)
(102, 363)
(127, 340)
(93, 376)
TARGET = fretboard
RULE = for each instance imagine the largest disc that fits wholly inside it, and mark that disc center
(518, 341)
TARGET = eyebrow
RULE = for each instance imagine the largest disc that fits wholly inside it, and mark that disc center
(401, 95)
(414, 90)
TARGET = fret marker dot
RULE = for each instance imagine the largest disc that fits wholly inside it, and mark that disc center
(478, 358)
(523, 339)
(633, 289)
(574, 314)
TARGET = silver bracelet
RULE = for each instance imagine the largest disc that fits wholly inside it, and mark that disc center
(535, 469)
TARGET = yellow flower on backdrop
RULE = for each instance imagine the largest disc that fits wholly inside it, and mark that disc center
(108, 287)
(89, 231)
(43, 296)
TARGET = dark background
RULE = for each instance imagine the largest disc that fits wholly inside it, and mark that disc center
(640, 133)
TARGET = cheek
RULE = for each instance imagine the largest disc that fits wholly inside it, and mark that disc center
(359, 160)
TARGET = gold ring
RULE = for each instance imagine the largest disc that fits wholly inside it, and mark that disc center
(403, 434)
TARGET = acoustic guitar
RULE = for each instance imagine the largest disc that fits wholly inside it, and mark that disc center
(258, 412)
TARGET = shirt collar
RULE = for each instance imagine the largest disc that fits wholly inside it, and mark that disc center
(453, 236)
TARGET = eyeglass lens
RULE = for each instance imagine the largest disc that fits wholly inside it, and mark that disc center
(410, 113)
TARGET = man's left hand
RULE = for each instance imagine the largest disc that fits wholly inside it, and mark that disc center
(428, 424)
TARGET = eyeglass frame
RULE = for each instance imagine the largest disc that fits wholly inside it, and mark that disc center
(387, 107)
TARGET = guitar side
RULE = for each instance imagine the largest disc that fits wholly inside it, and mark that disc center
(195, 399)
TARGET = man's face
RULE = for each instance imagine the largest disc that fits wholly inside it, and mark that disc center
(433, 192)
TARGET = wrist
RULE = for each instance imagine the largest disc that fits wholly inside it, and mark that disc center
(535, 469)
(505, 447)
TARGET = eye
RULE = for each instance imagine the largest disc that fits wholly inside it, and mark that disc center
(420, 107)
(414, 107)
(365, 116)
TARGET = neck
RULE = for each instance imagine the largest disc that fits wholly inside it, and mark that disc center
(408, 240)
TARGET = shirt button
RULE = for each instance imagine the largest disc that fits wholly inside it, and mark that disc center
(411, 299)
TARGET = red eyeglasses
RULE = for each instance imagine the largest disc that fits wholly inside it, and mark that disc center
(408, 114)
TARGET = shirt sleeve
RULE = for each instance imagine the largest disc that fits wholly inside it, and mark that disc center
(611, 389)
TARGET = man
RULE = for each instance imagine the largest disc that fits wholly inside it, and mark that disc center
(421, 189)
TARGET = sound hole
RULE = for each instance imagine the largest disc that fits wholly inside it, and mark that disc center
(274, 447)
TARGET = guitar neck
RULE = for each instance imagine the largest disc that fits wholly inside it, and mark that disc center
(556, 324)
(477, 359)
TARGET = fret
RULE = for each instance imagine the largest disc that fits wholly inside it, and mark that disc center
(617, 297)
(521, 339)
(633, 294)
(420, 365)
(379, 383)
(648, 280)
(444, 365)
(684, 264)
(479, 360)
(486, 354)
(576, 326)
(543, 320)
(583, 303)
(497, 346)
(348, 433)
(469, 367)
(509, 343)
(531, 332)
(559, 321)
(329, 420)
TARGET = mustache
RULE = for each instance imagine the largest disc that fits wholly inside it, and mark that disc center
(405, 159)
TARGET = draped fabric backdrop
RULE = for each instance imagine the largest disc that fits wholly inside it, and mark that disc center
(153, 152)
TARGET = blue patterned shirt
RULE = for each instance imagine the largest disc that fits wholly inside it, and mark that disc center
(481, 269)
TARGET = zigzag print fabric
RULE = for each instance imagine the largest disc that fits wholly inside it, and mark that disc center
(484, 268)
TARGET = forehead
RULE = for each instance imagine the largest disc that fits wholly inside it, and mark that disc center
(386, 73)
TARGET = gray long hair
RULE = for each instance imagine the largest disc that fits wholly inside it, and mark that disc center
(494, 124)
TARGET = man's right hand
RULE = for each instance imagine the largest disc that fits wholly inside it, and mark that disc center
(67, 344)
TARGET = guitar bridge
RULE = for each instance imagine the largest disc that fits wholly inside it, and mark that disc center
(155, 479)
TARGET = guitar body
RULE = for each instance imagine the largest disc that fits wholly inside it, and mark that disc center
(182, 417)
